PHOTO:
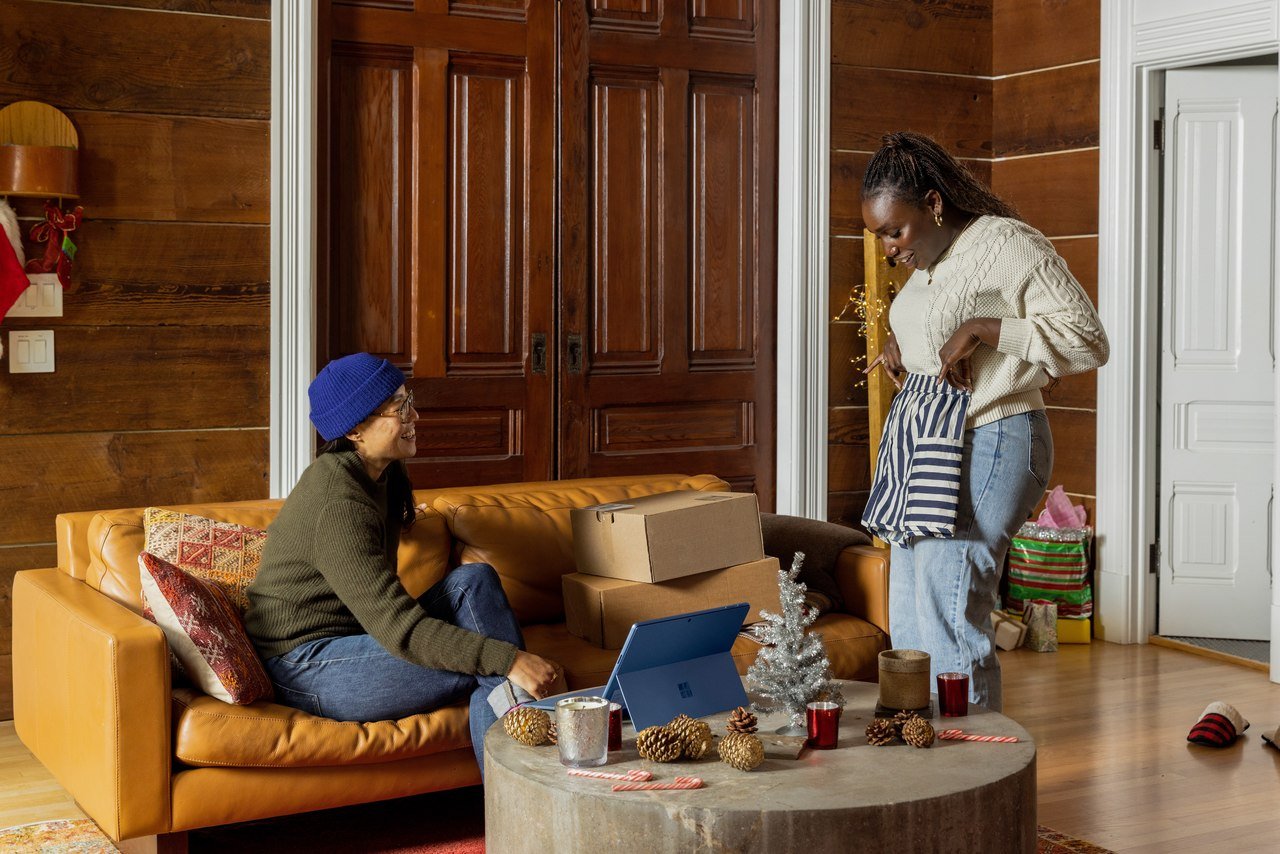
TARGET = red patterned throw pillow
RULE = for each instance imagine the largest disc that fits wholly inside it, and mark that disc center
(204, 631)
(222, 552)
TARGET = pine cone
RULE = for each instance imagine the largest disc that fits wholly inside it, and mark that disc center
(741, 750)
(917, 732)
(881, 731)
(659, 744)
(741, 720)
(902, 718)
(553, 734)
(527, 725)
(694, 736)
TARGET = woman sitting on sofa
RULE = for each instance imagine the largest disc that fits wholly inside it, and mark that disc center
(337, 632)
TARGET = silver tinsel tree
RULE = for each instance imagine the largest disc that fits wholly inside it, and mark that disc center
(792, 669)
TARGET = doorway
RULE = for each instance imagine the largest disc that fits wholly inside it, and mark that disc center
(1217, 356)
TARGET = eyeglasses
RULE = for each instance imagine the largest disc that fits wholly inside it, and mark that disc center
(404, 411)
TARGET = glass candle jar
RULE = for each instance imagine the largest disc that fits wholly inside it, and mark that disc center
(582, 731)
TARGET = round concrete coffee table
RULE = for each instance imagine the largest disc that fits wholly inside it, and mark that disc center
(954, 796)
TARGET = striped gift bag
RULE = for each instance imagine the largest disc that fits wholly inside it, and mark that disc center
(1052, 564)
(916, 492)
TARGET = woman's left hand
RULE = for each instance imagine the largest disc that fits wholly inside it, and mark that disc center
(957, 371)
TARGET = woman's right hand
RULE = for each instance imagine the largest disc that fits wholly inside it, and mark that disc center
(890, 359)
(534, 674)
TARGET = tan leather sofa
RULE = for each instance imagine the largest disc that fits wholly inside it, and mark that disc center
(94, 700)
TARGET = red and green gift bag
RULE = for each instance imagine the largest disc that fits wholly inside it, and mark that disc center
(1053, 564)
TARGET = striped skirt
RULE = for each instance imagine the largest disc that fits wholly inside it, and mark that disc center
(917, 485)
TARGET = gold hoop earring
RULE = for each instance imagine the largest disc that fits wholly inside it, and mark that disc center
(937, 218)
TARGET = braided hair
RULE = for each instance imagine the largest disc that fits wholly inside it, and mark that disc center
(909, 165)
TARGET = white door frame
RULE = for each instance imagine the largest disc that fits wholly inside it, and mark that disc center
(293, 239)
(1140, 40)
(804, 241)
(804, 58)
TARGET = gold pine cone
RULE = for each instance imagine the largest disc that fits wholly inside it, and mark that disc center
(527, 725)
(918, 732)
(659, 744)
(694, 735)
(742, 750)
(902, 718)
(741, 720)
(697, 740)
(881, 731)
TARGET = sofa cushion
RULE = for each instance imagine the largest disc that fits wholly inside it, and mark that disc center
(222, 553)
(204, 632)
(527, 536)
(208, 732)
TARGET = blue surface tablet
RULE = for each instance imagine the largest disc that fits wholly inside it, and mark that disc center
(674, 664)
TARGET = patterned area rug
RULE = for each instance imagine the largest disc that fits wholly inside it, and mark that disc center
(1053, 842)
(55, 837)
(344, 830)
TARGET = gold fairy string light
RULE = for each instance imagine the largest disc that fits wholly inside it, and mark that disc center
(865, 314)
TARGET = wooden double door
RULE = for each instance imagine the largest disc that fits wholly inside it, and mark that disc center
(558, 218)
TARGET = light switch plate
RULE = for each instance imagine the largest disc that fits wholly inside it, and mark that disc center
(31, 351)
(42, 298)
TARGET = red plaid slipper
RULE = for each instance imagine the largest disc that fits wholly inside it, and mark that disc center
(1219, 725)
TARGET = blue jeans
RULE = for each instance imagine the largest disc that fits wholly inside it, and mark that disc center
(942, 591)
(353, 678)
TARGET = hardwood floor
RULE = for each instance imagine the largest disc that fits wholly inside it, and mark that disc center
(1114, 764)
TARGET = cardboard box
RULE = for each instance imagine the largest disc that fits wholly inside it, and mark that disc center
(671, 535)
(601, 610)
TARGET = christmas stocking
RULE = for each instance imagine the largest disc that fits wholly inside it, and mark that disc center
(12, 280)
(1218, 726)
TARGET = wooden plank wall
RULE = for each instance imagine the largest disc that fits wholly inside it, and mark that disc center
(1011, 86)
(160, 393)
(1046, 61)
(927, 69)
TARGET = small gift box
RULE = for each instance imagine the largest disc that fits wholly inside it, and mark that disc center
(1010, 631)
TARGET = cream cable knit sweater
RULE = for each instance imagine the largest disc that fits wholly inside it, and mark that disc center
(1048, 327)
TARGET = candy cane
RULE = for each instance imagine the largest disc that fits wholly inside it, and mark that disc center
(635, 775)
(959, 735)
(679, 783)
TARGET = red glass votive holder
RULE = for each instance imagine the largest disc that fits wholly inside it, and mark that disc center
(953, 694)
(824, 725)
(615, 726)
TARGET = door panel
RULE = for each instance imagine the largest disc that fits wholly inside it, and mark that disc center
(1217, 440)
(667, 264)
(441, 211)
(648, 345)
(372, 89)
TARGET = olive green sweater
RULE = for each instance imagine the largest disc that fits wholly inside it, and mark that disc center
(329, 570)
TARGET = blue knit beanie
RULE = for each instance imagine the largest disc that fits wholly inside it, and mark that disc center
(348, 390)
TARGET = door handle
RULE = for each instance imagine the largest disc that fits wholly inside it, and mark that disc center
(575, 353)
(539, 354)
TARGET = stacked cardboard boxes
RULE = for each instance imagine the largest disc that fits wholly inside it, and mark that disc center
(665, 554)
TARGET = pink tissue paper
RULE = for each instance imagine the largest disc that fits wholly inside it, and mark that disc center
(1058, 511)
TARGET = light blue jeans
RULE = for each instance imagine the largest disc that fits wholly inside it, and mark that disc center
(354, 678)
(942, 591)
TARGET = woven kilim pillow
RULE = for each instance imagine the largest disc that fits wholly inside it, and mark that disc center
(204, 631)
(222, 552)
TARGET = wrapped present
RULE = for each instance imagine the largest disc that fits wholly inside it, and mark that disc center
(1051, 564)
(1010, 631)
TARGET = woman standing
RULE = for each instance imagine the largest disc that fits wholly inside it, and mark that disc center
(339, 635)
(990, 315)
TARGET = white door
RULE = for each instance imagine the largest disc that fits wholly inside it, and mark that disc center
(1217, 365)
